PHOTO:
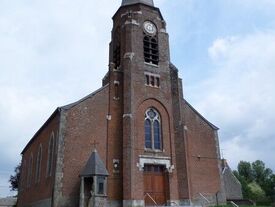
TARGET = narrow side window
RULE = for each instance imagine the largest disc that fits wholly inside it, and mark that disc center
(29, 176)
(50, 155)
(38, 164)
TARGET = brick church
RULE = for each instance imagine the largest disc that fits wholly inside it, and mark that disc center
(135, 141)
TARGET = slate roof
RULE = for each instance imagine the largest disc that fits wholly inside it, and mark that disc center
(128, 2)
(94, 166)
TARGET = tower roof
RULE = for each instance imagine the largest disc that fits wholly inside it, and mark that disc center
(94, 166)
(129, 2)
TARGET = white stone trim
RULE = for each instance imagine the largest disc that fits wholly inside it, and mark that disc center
(151, 64)
(127, 115)
(116, 82)
(133, 203)
(162, 31)
(152, 74)
(132, 12)
(155, 160)
(116, 98)
(109, 117)
(173, 203)
(137, 12)
(132, 22)
(129, 55)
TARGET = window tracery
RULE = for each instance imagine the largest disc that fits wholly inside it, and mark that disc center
(152, 128)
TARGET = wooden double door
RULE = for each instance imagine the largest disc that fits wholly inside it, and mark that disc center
(155, 185)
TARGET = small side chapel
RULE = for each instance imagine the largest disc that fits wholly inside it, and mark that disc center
(94, 175)
(152, 147)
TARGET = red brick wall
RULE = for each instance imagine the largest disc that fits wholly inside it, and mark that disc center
(44, 188)
(203, 172)
(85, 123)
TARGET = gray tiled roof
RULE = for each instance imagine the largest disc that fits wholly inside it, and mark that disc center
(128, 2)
(94, 166)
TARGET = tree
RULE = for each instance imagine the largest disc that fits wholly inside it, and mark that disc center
(264, 177)
(258, 182)
(269, 187)
(245, 188)
(14, 179)
(257, 193)
(260, 173)
(245, 171)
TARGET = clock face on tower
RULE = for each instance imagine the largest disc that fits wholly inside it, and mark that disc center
(150, 28)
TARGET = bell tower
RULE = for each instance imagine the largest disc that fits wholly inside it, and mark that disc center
(139, 32)
(142, 83)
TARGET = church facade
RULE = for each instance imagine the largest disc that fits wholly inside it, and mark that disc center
(152, 146)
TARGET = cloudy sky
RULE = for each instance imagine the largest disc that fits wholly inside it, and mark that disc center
(54, 52)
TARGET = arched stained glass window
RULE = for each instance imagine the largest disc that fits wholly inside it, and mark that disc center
(148, 134)
(157, 144)
(152, 128)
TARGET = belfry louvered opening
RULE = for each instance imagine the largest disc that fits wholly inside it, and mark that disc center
(116, 48)
(117, 56)
(151, 50)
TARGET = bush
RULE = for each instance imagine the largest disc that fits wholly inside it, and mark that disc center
(256, 192)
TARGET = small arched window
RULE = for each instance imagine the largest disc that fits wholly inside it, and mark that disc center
(29, 176)
(38, 164)
(152, 128)
(50, 155)
(151, 50)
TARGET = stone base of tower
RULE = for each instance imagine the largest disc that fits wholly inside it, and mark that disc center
(133, 203)
(179, 203)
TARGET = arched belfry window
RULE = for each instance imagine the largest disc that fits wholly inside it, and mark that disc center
(151, 50)
(116, 48)
(152, 128)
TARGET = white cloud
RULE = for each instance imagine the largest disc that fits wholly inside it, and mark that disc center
(51, 53)
(221, 47)
(239, 95)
